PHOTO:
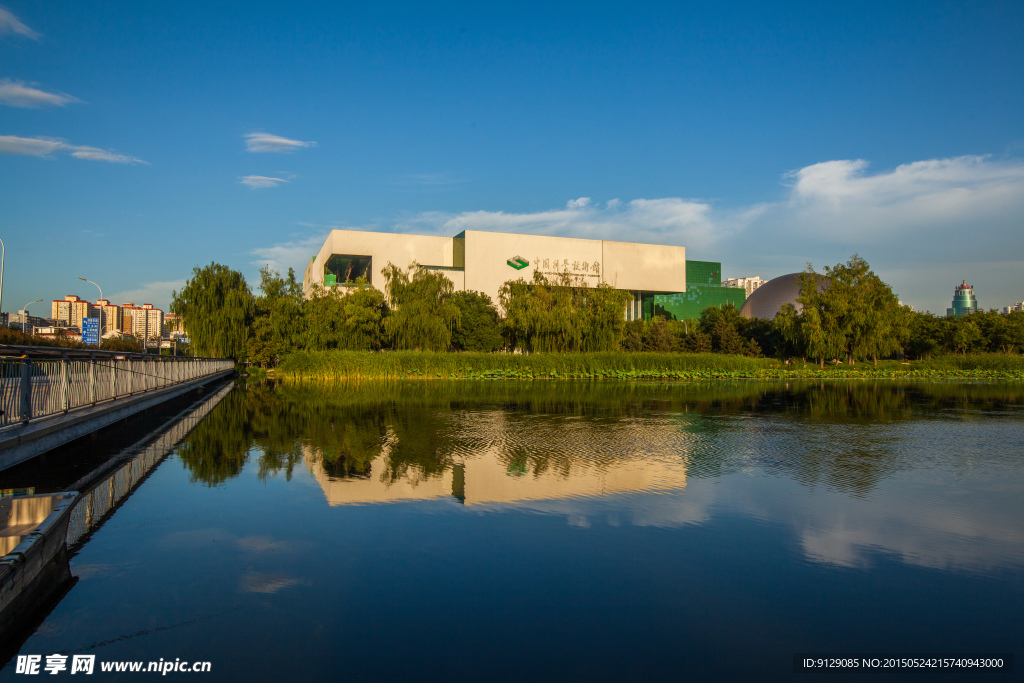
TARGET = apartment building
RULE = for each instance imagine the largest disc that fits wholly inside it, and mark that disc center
(129, 314)
(110, 317)
(142, 322)
(71, 310)
(749, 284)
(154, 322)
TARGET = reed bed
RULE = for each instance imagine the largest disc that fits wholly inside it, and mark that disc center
(342, 365)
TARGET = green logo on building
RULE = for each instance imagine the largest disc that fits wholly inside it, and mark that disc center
(518, 262)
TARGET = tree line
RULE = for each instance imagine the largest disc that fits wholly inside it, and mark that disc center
(848, 315)
(12, 335)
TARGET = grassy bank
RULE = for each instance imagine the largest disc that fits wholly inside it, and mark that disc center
(334, 365)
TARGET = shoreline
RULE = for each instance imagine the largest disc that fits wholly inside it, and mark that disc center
(413, 365)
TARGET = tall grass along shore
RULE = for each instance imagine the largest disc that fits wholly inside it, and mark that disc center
(334, 365)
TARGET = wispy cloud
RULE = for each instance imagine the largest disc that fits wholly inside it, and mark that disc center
(36, 147)
(19, 94)
(293, 254)
(11, 24)
(41, 147)
(156, 293)
(265, 142)
(257, 182)
(94, 154)
(670, 220)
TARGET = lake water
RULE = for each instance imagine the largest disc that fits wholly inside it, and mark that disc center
(563, 531)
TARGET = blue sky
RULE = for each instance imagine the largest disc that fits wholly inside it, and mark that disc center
(140, 140)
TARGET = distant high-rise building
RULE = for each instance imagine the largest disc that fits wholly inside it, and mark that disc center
(749, 284)
(142, 322)
(154, 322)
(27, 322)
(72, 309)
(131, 319)
(1015, 308)
(111, 315)
(964, 302)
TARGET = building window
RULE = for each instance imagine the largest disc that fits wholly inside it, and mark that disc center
(343, 269)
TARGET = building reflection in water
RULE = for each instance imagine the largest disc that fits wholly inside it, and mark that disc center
(511, 459)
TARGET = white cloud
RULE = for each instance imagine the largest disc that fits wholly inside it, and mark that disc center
(265, 142)
(36, 147)
(156, 293)
(94, 154)
(18, 94)
(294, 254)
(919, 211)
(257, 182)
(669, 220)
(840, 202)
(922, 225)
(41, 147)
(11, 24)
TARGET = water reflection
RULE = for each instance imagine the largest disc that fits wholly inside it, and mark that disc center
(605, 530)
(839, 453)
(843, 431)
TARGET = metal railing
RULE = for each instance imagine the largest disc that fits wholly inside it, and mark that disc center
(41, 381)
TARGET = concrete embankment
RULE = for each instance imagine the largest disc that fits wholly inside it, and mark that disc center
(34, 566)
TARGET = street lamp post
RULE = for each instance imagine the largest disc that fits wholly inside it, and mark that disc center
(2, 254)
(24, 313)
(99, 341)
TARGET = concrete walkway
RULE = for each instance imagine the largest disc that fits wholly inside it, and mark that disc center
(21, 442)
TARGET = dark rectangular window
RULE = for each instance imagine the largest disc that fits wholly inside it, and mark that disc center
(343, 269)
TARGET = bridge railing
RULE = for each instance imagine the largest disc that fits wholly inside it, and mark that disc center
(37, 382)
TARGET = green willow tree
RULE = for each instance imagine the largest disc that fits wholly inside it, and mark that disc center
(604, 322)
(423, 314)
(478, 329)
(540, 316)
(350, 318)
(871, 321)
(563, 314)
(819, 329)
(217, 309)
(277, 323)
(847, 313)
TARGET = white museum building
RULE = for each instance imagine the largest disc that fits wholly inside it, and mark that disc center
(483, 261)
